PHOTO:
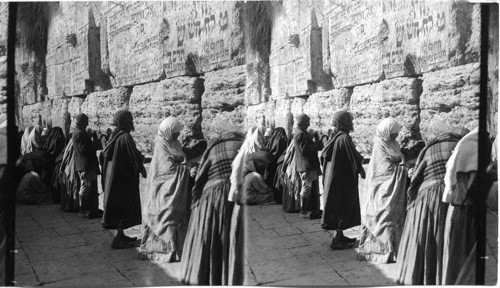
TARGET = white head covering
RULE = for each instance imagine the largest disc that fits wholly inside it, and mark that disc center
(387, 127)
(463, 159)
(256, 142)
(35, 139)
(25, 140)
(168, 127)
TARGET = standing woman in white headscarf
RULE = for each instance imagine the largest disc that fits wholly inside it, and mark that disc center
(383, 200)
(165, 208)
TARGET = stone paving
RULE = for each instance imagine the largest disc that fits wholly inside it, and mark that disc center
(56, 248)
(285, 250)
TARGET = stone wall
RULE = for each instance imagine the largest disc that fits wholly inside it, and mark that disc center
(4, 16)
(416, 61)
(153, 58)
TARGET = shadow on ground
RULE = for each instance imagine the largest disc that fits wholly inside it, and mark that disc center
(284, 250)
(56, 248)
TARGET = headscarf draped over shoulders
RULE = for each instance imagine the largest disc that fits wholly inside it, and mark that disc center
(168, 127)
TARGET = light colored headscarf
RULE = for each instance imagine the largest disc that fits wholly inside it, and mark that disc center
(387, 127)
(256, 143)
(25, 140)
(238, 166)
(168, 127)
(35, 139)
(463, 159)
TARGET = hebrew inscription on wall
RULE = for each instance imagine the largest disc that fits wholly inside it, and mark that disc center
(147, 39)
(370, 41)
(201, 36)
(134, 44)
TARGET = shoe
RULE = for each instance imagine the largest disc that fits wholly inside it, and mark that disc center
(339, 245)
(315, 215)
(118, 244)
(349, 240)
(125, 238)
(95, 214)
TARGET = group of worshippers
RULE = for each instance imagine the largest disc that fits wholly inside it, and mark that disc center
(424, 223)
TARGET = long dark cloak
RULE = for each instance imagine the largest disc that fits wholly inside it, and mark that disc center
(341, 165)
(276, 146)
(122, 164)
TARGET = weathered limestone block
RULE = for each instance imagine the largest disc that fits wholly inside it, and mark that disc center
(296, 60)
(492, 111)
(171, 39)
(450, 97)
(60, 116)
(46, 112)
(370, 104)
(321, 106)
(203, 36)
(100, 107)
(67, 58)
(374, 40)
(30, 73)
(223, 101)
(152, 103)
(283, 116)
(31, 114)
(260, 114)
(257, 89)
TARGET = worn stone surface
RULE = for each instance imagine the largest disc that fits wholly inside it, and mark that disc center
(398, 98)
(370, 41)
(60, 116)
(283, 116)
(202, 36)
(74, 108)
(223, 101)
(450, 97)
(31, 114)
(68, 63)
(296, 60)
(492, 111)
(321, 106)
(29, 76)
(100, 107)
(171, 39)
(152, 103)
(261, 114)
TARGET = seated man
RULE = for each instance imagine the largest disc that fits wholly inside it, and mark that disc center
(32, 190)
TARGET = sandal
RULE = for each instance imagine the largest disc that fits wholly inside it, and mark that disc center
(118, 244)
(340, 245)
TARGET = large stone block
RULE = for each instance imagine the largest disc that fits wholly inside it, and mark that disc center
(370, 104)
(202, 36)
(67, 58)
(321, 106)
(60, 116)
(257, 89)
(167, 39)
(30, 74)
(283, 116)
(450, 97)
(260, 114)
(296, 59)
(223, 101)
(100, 107)
(492, 111)
(31, 115)
(374, 40)
(152, 103)
(4, 16)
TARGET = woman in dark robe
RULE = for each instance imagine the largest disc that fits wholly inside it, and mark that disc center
(69, 181)
(421, 243)
(122, 165)
(341, 165)
(213, 249)
(276, 146)
(54, 145)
